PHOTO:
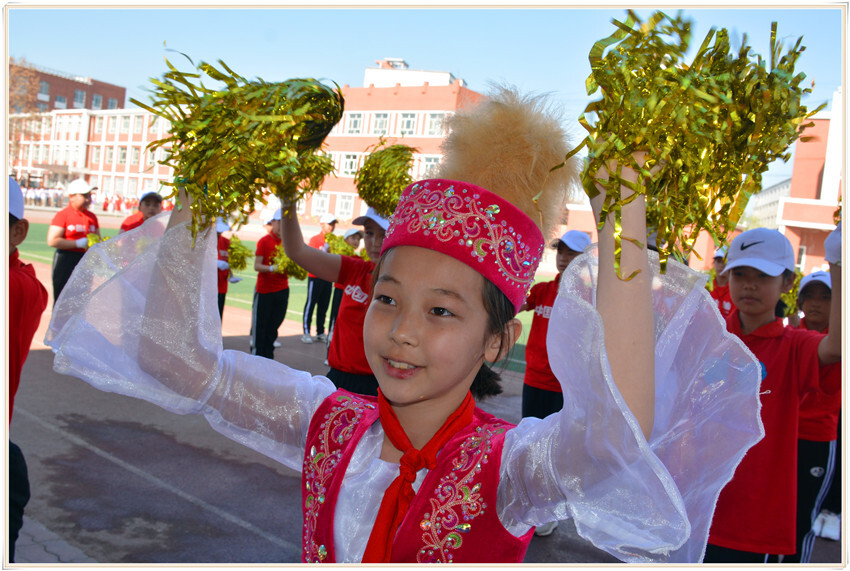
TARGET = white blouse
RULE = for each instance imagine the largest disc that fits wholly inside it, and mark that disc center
(139, 317)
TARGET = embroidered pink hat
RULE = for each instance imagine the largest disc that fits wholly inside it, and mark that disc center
(473, 225)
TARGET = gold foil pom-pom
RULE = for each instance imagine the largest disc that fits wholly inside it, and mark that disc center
(710, 127)
(384, 176)
(337, 245)
(238, 254)
(284, 265)
(229, 143)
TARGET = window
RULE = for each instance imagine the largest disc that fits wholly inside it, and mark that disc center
(36, 150)
(112, 104)
(137, 124)
(95, 156)
(45, 151)
(435, 124)
(801, 257)
(119, 185)
(131, 187)
(408, 123)
(98, 125)
(134, 156)
(122, 155)
(79, 99)
(113, 122)
(110, 153)
(427, 166)
(43, 91)
(66, 155)
(41, 106)
(380, 123)
(107, 184)
(355, 123)
(125, 123)
(60, 102)
(97, 101)
(26, 152)
(345, 206)
(152, 123)
(319, 204)
(349, 165)
(147, 185)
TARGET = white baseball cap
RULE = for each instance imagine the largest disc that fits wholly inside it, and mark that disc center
(371, 214)
(819, 276)
(327, 218)
(763, 249)
(16, 199)
(221, 225)
(269, 215)
(721, 252)
(352, 232)
(575, 240)
(79, 186)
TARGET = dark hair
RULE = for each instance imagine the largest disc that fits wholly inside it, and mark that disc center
(500, 311)
(13, 220)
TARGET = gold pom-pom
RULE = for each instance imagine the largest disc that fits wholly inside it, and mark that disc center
(384, 176)
(94, 239)
(226, 145)
(710, 127)
(509, 144)
(337, 245)
(284, 265)
(238, 254)
(790, 297)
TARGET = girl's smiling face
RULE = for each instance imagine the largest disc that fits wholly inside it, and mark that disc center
(425, 330)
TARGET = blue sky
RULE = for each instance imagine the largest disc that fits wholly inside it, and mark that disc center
(539, 50)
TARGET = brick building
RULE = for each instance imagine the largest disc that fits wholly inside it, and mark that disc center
(57, 90)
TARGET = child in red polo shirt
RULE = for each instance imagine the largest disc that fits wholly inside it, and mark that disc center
(720, 286)
(223, 274)
(756, 511)
(817, 447)
(271, 296)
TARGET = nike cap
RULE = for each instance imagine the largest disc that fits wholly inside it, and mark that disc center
(763, 249)
(819, 276)
(575, 240)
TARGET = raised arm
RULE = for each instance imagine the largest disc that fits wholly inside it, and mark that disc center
(323, 265)
(829, 350)
(626, 307)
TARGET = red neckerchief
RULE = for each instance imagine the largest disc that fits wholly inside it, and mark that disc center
(400, 492)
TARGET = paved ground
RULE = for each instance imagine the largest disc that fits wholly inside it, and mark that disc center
(116, 480)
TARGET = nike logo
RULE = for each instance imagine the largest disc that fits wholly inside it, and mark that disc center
(745, 246)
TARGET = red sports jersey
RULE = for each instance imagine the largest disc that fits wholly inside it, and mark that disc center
(756, 510)
(346, 352)
(77, 224)
(269, 282)
(538, 373)
(133, 221)
(318, 242)
(223, 254)
(724, 299)
(819, 411)
(27, 301)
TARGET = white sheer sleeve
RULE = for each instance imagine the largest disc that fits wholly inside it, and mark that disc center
(139, 317)
(640, 501)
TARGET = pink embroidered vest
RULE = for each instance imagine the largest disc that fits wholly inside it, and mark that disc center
(453, 516)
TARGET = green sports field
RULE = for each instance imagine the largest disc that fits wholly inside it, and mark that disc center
(241, 294)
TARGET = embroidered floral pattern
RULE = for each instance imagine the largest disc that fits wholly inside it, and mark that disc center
(455, 214)
(336, 428)
(457, 499)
